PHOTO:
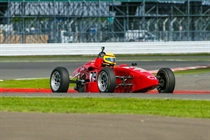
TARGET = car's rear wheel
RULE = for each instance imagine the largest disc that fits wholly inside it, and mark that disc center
(106, 80)
(166, 80)
(59, 80)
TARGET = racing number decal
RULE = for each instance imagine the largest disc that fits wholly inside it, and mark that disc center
(92, 76)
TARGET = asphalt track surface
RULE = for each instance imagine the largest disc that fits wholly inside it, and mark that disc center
(44, 126)
(15, 70)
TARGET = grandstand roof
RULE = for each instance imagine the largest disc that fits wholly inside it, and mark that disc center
(206, 2)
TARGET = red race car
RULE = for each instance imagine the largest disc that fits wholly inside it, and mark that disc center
(103, 75)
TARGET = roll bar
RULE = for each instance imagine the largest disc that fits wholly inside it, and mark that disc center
(102, 53)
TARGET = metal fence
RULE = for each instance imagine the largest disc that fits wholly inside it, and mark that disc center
(66, 22)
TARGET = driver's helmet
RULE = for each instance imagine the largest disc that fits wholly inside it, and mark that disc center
(109, 59)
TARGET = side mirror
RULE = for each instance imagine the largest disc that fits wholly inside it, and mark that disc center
(134, 64)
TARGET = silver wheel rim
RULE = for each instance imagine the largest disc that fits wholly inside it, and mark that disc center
(55, 80)
(102, 81)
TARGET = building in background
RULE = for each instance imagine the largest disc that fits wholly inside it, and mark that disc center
(71, 21)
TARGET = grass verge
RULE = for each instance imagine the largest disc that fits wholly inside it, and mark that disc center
(163, 107)
(120, 57)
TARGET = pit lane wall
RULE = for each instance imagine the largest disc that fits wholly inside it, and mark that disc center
(115, 47)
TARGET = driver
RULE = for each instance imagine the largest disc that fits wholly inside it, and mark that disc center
(109, 59)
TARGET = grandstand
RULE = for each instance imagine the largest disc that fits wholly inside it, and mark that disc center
(69, 21)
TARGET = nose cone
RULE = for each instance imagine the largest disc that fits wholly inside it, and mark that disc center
(144, 81)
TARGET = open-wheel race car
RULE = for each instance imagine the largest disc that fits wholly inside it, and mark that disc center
(103, 75)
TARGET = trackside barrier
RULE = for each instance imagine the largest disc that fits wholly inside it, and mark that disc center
(115, 47)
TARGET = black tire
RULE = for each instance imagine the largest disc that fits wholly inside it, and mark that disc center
(166, 80)
(106, 80)
(59, 80)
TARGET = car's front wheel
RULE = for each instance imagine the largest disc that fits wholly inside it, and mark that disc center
(106, 80)
(166, 80)
(59, 80)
